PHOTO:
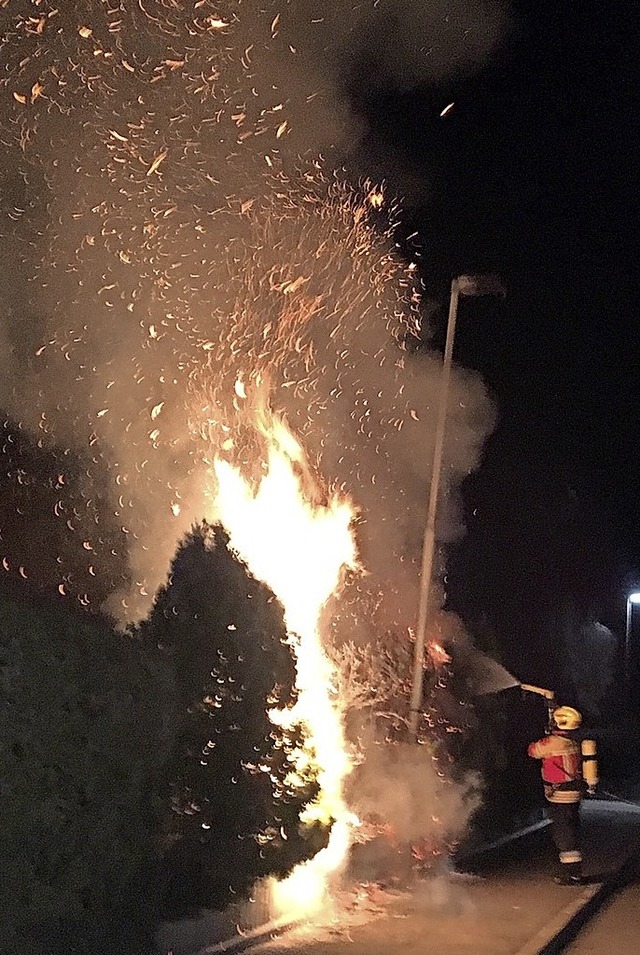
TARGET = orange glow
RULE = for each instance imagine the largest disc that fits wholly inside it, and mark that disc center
(300, 549)
(437, 653)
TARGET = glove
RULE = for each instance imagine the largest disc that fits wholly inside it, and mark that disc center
(591, 790)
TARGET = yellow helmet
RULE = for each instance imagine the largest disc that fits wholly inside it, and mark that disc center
(566, 718)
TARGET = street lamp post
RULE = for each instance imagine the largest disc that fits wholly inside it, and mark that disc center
(471, 285)
(632, 599)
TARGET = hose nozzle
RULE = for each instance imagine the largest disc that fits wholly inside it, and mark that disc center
(548, 694)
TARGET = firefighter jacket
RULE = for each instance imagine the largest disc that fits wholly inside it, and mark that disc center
(561, 767)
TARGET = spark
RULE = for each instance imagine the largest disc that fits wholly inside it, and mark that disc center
(376, 198)
(157, 161)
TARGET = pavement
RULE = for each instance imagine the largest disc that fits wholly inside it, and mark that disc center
(615, 931)
(500, 902)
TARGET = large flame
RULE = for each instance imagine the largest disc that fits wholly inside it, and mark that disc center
(300, 548)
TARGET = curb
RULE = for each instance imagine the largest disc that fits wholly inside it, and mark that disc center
(242, 941)
(553, 938)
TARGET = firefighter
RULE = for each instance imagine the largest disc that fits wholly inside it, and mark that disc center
(563, 789)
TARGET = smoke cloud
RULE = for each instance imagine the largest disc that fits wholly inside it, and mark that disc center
(396, 784)
(167, 233)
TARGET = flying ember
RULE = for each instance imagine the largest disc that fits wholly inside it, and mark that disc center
(301, 549)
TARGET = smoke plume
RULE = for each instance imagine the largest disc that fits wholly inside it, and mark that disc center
(173, 253)
(397, 783)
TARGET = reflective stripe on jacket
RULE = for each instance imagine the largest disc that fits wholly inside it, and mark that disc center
(561, 767)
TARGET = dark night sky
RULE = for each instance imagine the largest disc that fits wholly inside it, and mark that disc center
(534, 173)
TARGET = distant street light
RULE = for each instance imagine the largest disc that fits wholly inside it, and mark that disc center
(470, 285)
(632, 599)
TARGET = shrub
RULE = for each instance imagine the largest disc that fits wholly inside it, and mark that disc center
(85, 729)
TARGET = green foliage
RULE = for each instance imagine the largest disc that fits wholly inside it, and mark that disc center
(235, 818)
(85, 727)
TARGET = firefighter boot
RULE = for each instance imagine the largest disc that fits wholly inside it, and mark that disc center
(570, 874)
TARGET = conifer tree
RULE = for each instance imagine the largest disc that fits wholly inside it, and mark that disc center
(235, 816)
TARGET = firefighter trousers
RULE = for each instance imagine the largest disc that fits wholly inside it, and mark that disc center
(565, 830)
